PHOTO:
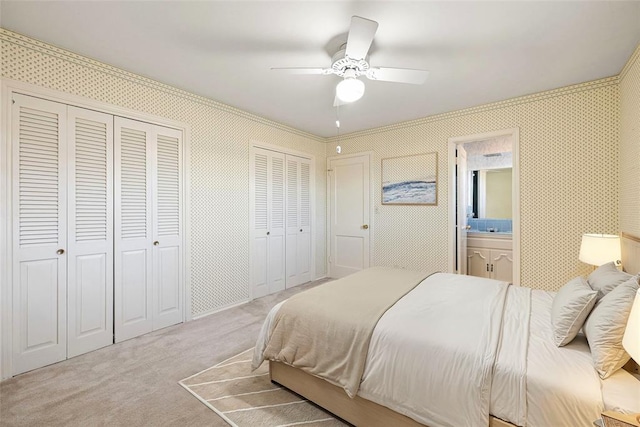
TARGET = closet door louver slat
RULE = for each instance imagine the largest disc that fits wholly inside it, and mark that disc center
(168, 186)
(260, 197)
(92, 196)
(305, 194)
(38, 129)
(133, 171)
(277, 193)
(292, 193)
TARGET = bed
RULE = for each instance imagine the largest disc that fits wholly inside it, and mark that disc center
(505, 371)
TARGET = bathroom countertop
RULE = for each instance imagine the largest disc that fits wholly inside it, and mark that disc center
(493, 234)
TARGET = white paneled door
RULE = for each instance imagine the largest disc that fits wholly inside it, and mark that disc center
(298, 243)
(349, 207)
(133, 229)
(97, 230)
(39, 233)
(148, 228)
(280, 220)
(167, 227)
(267, 221)
(90, 240)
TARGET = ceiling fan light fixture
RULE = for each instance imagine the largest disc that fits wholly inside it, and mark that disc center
(350, 89)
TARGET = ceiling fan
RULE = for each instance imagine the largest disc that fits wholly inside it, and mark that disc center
(351, 62)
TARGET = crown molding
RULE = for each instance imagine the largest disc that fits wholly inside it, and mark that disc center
(47, 49)
(632, 60)
(553, 93)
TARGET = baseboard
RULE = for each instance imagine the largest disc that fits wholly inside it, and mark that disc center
(226, 307)
(219, 309)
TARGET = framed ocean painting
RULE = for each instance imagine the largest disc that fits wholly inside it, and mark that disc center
(410, 180)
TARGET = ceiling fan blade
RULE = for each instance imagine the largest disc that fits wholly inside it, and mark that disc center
(400, 75)
(303, 70)
(360, 37)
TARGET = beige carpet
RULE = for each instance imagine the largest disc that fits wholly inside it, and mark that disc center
(135, 383)
(249, 399)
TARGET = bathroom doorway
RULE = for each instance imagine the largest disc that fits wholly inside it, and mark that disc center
(484, 206)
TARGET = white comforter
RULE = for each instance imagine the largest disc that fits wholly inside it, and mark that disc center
(435, 362)
(432, 354)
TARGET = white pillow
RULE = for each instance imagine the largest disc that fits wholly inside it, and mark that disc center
(571, 306)
(605, 327)
(606, 277)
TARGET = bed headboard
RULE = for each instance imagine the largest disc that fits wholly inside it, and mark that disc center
(630, 246)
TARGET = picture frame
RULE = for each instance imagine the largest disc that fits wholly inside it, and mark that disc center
(410, 180)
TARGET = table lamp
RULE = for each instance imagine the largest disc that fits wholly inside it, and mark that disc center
(599, 249)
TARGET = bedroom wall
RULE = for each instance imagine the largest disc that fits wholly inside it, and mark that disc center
(220, 138)
(568, 178)
(630, 146)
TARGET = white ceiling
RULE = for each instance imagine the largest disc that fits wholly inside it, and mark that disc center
(476, 52)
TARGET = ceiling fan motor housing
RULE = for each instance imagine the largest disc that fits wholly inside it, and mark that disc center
(341, 63)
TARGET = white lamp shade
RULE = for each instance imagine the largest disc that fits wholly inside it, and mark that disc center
(350, 89)
(598, 249)
(631, 339)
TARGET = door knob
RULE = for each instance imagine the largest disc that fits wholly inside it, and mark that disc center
(60, 251)
(268, 233)
(365, 227)
(468, 227)
(301, 230)
(156, 243)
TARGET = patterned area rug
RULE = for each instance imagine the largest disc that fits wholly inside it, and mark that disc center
(249, 399)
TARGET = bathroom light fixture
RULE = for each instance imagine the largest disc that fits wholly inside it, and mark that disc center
(350, 89)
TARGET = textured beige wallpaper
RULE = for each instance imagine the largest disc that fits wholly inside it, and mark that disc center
(569, 178)
(630, 146)
(569, 168)
(219, 158)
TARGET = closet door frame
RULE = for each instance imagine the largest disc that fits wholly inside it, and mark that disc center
(276, 148)
(8, 87)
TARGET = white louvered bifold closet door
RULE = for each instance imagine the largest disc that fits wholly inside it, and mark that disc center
(39, 233)
(298, 259)
(148, 228)
(167, 229)
(267, 221)
(90, 240)
(133, 274)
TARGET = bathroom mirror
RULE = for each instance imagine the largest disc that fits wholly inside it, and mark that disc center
(491, 193)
